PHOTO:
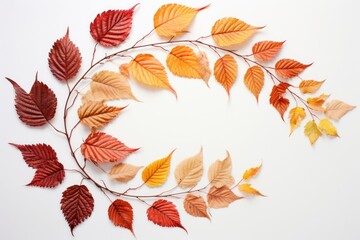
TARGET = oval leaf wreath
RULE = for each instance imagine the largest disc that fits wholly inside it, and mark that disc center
(185, 58)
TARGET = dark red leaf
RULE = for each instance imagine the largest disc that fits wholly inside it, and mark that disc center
(165, 214)
(36, 108)
(49, 175)
(36, 155)
(280, 103)
(112, 27)
(64, 58)
(77, 204)
(121, 214)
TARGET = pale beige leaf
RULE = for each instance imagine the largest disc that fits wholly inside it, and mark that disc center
(196, 206)
(219, 173)
(336, 109)
(246, 188)
(97, 114)
(312, 131)
(124, 172)
(189, 171)
(325, 125)
(296, 115)
(124, 70)
(205, 70)
(221, 197)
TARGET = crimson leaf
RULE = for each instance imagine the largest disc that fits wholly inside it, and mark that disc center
(49, 175)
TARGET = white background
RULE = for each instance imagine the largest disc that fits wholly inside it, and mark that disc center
(313, 191)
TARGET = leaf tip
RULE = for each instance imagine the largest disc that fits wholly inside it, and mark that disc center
(133, 8)
(203, 8)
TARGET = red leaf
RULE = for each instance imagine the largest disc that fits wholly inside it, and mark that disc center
(64, 58)
(36, 155)
(276, 98)
(112, 27)
(281, 105)
(77, 204)
(48, 175)
(165, 214)
(289, 68)
(121, 214)
(36, 108)
(100, 147)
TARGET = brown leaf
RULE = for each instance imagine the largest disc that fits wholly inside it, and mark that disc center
(221, 197)
(266, 50)
(121, 214)
(219, 173)
(254, 80)
(189, 171)
(289, 68)
(336, 109)
(123, 172)
(196, 206)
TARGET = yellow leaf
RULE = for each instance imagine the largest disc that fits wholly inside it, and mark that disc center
(326, 126)
(312, 131)
(254, 80)
(232, 31)
(310, 86)
(107, 85)
(171, 20)
(219, 173)
(205, 70)
(146, 69)
(226, 71)
(156, 173)
(189, 171)
(246, 188)
(251, 172)
(317, 102)
(97, 114)
(182, 61)
(124, 70)
(123, 172)
(296, 115)
(336, 109)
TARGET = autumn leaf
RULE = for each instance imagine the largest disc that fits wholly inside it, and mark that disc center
(189, 171)
(121, 214)
(97, 114)
(326, 126)
(100, 147)
(246, 188)
(156, 173)
(205, 71)
(250, 173)
(310, 86)
(280, 103)
(183, 62)
(232, 31)
(164, 214)
(36, 155)
(226, 71)
(221, 197)
(124, 70)
(316, 103)
(107, 85)
(77, 204)
(123, 172)
(254, 80)
(266, 50)
(112, 27)
(49, 175)
(296, 115)
(171, 20)
(146, 69)
(37, 107)
(196, 206)
(289, 68)
(219, 173)
(336, 109)
(312, 131)
(64, 58)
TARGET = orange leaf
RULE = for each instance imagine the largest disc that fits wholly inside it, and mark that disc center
(146, 69)
(312, 131)
(97, 114)
(289, 68)
(231, 31)
(196, 206)
(336, 109)
(226, 71)
(219, 173)
(171, 20)
(182, 61)
(121, 214)
(156, 173)
(254, 80)
(310, 86)
(248, 174)
(246, 188)
(296, 115)
(100, 147)
(277, 100)
(266, 50)
(189, 171)
(124, 70)
(317, 102)
(123, 172)
(221, 197)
